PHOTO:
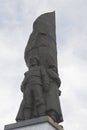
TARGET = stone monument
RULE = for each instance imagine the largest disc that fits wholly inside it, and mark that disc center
(41, 83)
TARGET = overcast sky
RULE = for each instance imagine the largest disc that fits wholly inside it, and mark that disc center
(16, 19)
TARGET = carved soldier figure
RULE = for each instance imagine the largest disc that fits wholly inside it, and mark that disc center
(35, 82)
(52, 97)
(41, 84)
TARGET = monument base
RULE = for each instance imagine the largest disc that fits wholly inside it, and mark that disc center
(41, 123)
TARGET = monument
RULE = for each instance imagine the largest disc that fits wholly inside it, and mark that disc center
(41, 83)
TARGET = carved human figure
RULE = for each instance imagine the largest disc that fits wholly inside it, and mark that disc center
(33, 85)
(41, 84)
(52, 96)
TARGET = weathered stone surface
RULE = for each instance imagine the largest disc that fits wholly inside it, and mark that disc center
(42, 41)
(41, 82)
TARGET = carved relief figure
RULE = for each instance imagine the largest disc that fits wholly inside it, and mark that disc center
(52, 97)
(35, 82)
(41, 83)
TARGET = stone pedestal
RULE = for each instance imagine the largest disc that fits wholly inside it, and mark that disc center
(41, 123)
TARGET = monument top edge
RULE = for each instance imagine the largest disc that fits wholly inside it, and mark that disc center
(44, 119)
